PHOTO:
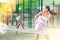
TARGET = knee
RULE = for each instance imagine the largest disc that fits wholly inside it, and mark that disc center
(37, 35)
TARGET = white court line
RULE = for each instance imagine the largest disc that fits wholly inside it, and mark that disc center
(52, 30)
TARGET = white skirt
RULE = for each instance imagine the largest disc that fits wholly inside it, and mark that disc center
(40, 27)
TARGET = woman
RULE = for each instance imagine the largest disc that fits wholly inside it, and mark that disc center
(41, 21)
(19, 22)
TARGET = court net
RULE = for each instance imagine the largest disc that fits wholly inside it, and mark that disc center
(33, 31)
(4, 28)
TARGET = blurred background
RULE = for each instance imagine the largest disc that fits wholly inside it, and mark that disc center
(26, 9)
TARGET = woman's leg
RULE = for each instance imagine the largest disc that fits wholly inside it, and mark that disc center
(47, 37)
(17, 27)
(37, 37)
(22, 26)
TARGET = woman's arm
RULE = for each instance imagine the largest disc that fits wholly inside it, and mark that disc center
(51, 21)
(37, 15)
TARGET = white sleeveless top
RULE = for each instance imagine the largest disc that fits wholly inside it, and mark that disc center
(42, 19)
(18, 18)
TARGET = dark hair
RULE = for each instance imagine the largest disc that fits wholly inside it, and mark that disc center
(48, 7)
(52, 12)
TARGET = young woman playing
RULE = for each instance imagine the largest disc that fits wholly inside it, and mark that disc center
(41, 21)
(19, 22)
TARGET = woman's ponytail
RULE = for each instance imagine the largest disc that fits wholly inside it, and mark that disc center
(53, 13)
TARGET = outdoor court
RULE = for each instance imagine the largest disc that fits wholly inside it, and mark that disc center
(54, 34)
(27, 9)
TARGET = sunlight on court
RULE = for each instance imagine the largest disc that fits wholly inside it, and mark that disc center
(55, 35)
